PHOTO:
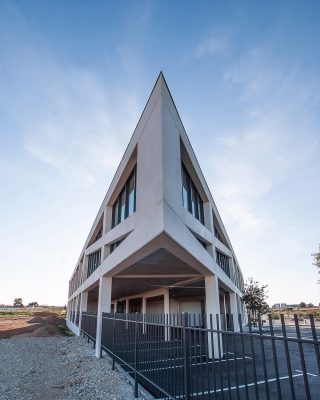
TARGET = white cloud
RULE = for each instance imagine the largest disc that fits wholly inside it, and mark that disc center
(213, 45)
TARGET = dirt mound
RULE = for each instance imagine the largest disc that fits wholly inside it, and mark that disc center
(53, 320)
(45, 331)
(51, 325)
(36, 320)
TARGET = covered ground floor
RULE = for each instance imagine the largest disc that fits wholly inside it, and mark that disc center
(159, 284)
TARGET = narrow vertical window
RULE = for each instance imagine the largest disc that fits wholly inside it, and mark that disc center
(191, 199)
(125, 204)
(131, 194)
(185, 189)
(122, 206)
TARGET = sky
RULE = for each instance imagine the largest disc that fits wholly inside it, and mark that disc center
(74, 78)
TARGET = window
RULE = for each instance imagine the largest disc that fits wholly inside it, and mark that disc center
(191, 199)
(98, 235)
(238, 279)
(217, 234)
(202, 243)
(94, 260)
(114, 245)
(223, 262)
(125, 204)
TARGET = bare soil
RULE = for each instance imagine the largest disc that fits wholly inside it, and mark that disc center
(43, 325)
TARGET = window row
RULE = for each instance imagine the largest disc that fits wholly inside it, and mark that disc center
(94, 260)
(191, 199)
(238, 278)
(125, 204)
(223, 262)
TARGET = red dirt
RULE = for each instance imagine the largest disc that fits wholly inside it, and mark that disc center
(40, 326)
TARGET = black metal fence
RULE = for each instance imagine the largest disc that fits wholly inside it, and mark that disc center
(192, 357)
(89, 326)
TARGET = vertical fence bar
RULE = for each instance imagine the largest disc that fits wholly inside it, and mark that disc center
(186, 382)
(206, 350)
(275, 359)
(200, 355)
(227, 358)
(136, 394)
(244, 357)
(265, 374)
(303, 363)
(235, 357)
(220, 355)
(253, 357)
(315, 338)
(213, 359)
(286, 348)
(113, 340)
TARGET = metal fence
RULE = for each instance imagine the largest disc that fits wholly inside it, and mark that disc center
(189, 357)
(89, 326)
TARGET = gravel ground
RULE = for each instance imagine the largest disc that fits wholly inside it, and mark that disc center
(57, 368)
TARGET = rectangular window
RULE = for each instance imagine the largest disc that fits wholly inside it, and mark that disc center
(191, 199)
(122, 206)
(223, 262)
(94, 260)
(185, 189)
(131, 194)
(125, 204)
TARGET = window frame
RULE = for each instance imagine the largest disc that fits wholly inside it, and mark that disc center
(118, 214)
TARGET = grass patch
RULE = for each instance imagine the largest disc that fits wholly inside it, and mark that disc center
(64, 330)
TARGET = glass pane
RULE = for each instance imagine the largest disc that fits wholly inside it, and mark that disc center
(115, 214)
(131, 195)
(184, 189)
(201, 217)
(194, 202)
(122, 205)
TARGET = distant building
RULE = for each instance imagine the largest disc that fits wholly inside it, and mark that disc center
(280, 306)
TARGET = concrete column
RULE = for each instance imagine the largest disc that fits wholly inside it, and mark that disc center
(144, 311)
(72, 317)
(115, 308)
(213, 308)
(104, 305)
(83, 306)
(77, 305)
(166, 308)
(127, 311)
(234, 311)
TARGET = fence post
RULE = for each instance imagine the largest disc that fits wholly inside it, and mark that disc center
(136, 394)
(113, 340)
(186, 381)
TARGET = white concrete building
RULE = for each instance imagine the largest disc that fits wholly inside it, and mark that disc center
(158, 244)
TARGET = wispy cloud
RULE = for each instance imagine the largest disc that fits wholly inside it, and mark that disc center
(69, 118)
(212, 45)
(257, 158)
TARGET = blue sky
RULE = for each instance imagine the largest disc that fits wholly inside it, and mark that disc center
(74, 78)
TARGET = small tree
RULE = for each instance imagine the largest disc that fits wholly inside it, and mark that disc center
(254, 297)
(33, 304)
(316, 261)
(17, 303)
(302, 305)
(310, 305)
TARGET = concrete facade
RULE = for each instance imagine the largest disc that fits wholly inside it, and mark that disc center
(161, 258)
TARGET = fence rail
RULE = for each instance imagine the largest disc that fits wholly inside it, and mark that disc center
(198, 357)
